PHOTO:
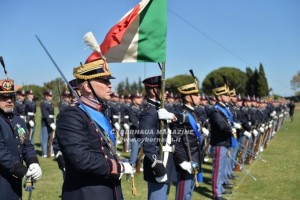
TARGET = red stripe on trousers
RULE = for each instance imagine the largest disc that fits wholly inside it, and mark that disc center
(216, 171)
(181, 186)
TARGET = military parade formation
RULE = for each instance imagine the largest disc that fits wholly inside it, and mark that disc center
(168, 143)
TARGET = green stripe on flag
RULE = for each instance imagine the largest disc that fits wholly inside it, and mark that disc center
(153, 32)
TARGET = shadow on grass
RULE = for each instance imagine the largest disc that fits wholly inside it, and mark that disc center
(203, 191)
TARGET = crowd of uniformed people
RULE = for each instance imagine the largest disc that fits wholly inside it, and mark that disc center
(172, 140)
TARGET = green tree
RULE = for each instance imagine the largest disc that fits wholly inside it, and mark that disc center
(255, 82)
(120, 88)
(295, 82)
(249, 82)
(262, 83)
(235, 78)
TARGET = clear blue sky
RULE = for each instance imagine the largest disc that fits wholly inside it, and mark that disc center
(202, 34)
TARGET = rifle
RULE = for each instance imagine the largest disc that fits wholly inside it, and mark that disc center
(248, 151)
(49, 145)
(240, 156)
(266, 139)
(140, 160)
(247, 172)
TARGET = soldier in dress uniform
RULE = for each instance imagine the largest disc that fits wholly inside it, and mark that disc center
(19, 108)
(86, 139)
(134, 113)
(17, 155)
(170, 103)
(221, 121)
(66, 100)
(158, 172)
(188, 145)
(30, 110)
(201, 112)
(47, 123)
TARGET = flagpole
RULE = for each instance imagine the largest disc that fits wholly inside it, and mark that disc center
(162, 100)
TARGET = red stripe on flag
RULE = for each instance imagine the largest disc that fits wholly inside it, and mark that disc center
(115, 34)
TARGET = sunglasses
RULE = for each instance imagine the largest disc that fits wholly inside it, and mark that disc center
(6, 97)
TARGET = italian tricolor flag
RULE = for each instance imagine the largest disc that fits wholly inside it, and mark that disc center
(140, 36)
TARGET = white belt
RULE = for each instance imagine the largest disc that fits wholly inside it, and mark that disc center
(51, 116)
(30, 113)
(168, 148)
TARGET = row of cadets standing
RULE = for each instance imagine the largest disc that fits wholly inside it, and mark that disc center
(93, 170)
(17, 154)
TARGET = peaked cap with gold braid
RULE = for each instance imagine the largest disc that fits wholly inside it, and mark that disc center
(232, 93)
(92, 70)
(191, 88)
(219, 90)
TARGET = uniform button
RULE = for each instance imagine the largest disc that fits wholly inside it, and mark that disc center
(105, 156)
(97, 130)
(102, 148)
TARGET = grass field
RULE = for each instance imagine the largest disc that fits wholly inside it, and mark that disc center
(278, 178)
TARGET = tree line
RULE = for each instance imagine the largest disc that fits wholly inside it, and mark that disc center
(249, 82)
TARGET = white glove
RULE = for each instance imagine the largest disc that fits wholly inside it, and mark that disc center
(205, 131)
(237, 125)
(273, 114)
(233, 130)
(263, 125)
(261, 129)
(255, 133)
(31, 123)
(162, 179)
(126, 126)
(165, 115)
(53, 126)
(126, 168)
(117, 126)
(270, 125)
(281, 115)
(275, 117)
(34, 171)
(187, 166)
(247, 134)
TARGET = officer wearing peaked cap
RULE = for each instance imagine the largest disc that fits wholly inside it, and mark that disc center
(65, 101)
(19, 108)
(221, 120)
(187, 154)
(47, 123)
(30, 110)
(134, 113)
(86, 139)
(17, 155)
(158, 173)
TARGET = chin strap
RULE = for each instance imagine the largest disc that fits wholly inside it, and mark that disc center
(104, 105)
(156, 95)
